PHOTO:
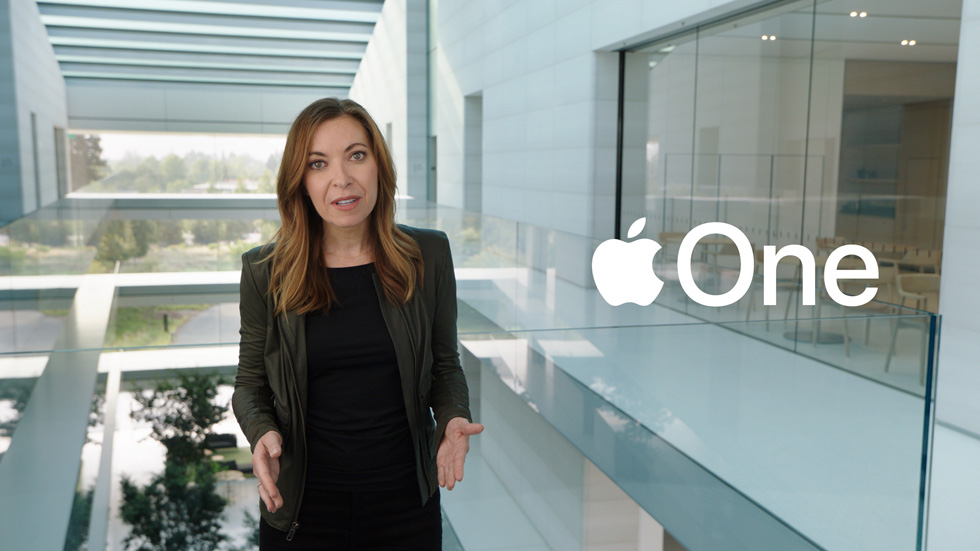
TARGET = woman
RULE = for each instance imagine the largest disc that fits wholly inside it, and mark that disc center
(348, 338)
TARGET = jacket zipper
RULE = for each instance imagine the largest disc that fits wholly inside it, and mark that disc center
(289, 360)
(418, 402)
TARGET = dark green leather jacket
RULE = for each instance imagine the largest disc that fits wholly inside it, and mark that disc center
(270, 388)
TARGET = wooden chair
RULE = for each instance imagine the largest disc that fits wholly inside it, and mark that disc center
(922, 291)
(922, 261)
(830, 243)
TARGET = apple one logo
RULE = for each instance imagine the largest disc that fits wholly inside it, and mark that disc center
(623, 271)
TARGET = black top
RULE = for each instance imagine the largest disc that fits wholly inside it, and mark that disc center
(357, 429)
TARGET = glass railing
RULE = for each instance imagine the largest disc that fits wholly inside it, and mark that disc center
(134, 235)
(806, 427)
(731, 441)
(723, 439)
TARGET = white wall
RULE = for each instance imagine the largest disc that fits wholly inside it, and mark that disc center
(10, 192)
(958, 394)
(543, 472)
(549, 101)
(31, 83)
(392, 85)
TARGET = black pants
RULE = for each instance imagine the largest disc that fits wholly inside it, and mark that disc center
(370, 520)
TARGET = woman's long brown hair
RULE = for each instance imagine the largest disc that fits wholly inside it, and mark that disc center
(299, 279)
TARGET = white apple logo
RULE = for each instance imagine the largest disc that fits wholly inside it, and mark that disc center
(623, 271)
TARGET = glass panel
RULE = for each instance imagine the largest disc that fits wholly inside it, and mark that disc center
(485, 254)
(708, 417)
(135, 240)
(657, 161)
(818, 125)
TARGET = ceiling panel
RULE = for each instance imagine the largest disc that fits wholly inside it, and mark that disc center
(72, 54)
(289, 43)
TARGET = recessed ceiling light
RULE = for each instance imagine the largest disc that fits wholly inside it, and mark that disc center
(905, 43)
(911, 42)
(854, 14)
(772, 37)
(863, 14)
(765, 37)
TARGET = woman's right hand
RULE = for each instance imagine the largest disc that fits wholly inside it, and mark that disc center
(265, 465)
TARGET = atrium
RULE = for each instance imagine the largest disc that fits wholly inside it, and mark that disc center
(138, 157)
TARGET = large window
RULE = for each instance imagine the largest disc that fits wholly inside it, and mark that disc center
(805, 121)
(174, 163)
(816, 123)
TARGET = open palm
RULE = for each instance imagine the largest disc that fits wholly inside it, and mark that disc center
(452, 450)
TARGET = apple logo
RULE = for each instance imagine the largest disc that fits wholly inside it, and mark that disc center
(623, 271)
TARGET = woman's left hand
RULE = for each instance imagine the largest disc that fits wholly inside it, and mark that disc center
(452, 450)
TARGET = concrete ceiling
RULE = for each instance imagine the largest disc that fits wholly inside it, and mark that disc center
(314, 44)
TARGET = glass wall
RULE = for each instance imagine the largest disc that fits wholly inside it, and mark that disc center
(803, 121)
(817, 123)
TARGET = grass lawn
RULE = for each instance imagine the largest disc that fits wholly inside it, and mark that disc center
(143, 326)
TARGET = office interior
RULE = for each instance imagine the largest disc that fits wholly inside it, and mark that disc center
(138, 157)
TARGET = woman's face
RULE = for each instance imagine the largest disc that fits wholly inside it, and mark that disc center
(341, 175)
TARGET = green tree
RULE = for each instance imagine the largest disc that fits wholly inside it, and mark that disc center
(169, 232)
(178, 186)
(144, 233)
(81, 513)
(148, 176)
(16, 395)
(201, 171)
(172, 169)
(206, 231)
(236, 228)
(267, 228)
(87, 164)
(117, 243)
(222, 168)
(265, 183)
(178, 510)
(124, 239)
(180, 415)
(272, 163)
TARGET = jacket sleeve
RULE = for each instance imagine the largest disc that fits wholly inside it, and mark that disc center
(449, 395)
(252, 399)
